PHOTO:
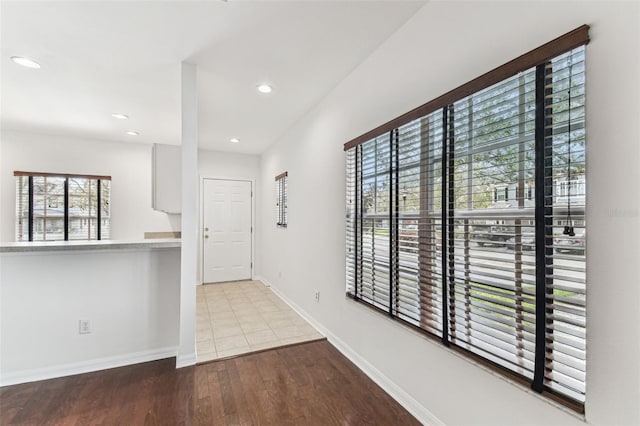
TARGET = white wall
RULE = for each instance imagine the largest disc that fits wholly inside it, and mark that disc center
(444, 45)
(228, 165)
(131, 297)
(129, 165)
(189, 182)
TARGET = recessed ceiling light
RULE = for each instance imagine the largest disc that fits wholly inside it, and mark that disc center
(130, 133)
(234, 140)
(120, 116)
(265, 88)
(25, 62)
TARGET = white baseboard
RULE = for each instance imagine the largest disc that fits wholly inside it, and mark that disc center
(186, 360)
(261, 279)
(85, 366)
(418, 410)
(403, 398)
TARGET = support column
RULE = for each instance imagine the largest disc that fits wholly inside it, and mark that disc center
(188, 263)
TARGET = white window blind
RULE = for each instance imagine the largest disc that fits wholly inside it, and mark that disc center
(468, 223)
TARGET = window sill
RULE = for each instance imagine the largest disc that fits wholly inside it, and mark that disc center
(573, 409)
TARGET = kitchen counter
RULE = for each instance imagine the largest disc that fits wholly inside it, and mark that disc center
(129, 291)
(43, 246)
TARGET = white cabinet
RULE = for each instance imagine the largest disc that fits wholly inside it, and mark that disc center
(167, 178)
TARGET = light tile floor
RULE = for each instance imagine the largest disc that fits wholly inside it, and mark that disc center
(244, 316)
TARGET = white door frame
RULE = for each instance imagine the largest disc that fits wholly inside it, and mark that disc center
(201, 223)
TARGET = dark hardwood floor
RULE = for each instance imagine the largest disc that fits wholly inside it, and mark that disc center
(306, 384)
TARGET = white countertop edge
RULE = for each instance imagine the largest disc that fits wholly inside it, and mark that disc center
(40, 246)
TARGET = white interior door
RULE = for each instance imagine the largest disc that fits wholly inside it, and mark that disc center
(226, 230)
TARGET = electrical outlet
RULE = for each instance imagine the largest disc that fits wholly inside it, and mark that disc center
(317, 295)
(85, 327)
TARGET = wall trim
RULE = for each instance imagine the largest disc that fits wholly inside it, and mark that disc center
(186, 360)
(262, 280)
(418, 410)
(62, 370)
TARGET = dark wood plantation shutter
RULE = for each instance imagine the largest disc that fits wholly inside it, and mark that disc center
(24, 208)
(491, 286)
(281, 199)
(62, 207)
(565, 327)
(419, 299)
(352, 242)
(374, 263)
(465, 218)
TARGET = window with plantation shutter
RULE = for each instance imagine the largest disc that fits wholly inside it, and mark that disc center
(281, 200)
(62, 207)
(465, 218)
(564, 223)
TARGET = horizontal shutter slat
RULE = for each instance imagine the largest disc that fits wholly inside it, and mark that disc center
(450, 246)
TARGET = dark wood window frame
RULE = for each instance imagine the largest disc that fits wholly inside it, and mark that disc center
(282, 193)
(539, 59)
(66, 176)
(540, 55)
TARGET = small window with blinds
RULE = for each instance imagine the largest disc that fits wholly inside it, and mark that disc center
(465, 218)
(62, 207)
(281, 200)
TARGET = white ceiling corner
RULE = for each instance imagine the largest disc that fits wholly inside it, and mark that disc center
(101, 57)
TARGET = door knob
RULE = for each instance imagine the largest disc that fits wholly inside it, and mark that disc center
(206, 236)
(206, 229)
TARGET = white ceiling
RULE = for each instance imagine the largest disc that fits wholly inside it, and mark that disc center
(103, 57)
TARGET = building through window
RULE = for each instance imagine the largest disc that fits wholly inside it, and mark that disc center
(281, 200)
(452, 220)
(62, 207)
